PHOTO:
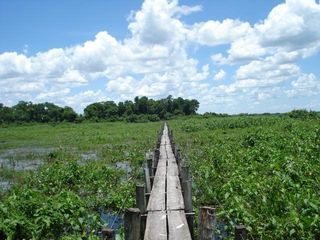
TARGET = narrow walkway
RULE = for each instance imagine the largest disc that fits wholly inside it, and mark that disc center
(166, 216)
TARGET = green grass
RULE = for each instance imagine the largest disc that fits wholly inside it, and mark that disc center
(259, 171)
(64, 197)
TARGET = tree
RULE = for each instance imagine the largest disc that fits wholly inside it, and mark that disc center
(130, 108)
(101, 110)
(69, 114)
(190, 106)
(22, 111)
(141, 109)
(121, 109)
(6, 114)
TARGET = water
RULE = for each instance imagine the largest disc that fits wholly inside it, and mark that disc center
(111, 220)
(220, 226)
(27, 150)
(23, 159)
(20, 165)
(5, 185)
(87, 157)
(126, 167)
(32, 158)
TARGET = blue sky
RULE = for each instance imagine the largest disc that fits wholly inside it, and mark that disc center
(233, 55)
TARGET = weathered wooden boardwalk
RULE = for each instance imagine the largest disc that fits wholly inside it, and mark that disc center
(166, 217)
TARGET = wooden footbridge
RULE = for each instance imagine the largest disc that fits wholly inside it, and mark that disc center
(166, 216)
(164, 203)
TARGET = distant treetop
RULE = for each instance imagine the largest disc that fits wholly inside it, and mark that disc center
(141, 109)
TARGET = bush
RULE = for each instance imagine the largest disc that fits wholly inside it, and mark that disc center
(303, 114)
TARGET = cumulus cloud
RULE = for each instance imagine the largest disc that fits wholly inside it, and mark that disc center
(213, 33)
(289, 29)
(154, 60)
(219, 75)
(155, 22)
(305, 85)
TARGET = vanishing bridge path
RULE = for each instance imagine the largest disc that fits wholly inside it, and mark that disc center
(166, 217)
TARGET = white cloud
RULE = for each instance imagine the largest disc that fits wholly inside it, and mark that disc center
(121, 84)
(213, 33)
(13, 64)
(80, 100)
(53, 95)
(155, 23)
(72, 76)
(219, 75)
(266, 72)
(154, 61)
(289, 27)
(305, 85)
(292, 25)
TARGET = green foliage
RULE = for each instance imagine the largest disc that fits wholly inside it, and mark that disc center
(141, 110)
(303, 114)
(30, 214)
(260, 171)
(63, 199)
(32, 112)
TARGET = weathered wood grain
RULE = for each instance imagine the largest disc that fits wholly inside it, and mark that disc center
(157, 200)
(174, 194)
(156, 228)
(178, 226)
(172, 167)
(166, 203)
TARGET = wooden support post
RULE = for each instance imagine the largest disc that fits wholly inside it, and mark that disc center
(176, 151)
(156, 159)
(177, 155)
(132, 224)
(147, 179)
(180, 163)
(159, 139)
(187, 196)
(141, 198)
(240, 232)
(141, 204)
(157, 154)
(184, 173)
(149, 165)
(207, 221)
(108, 234)
(171, 136)
(173, 147)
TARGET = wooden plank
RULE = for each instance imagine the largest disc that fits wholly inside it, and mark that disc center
(157, 200)
(159, 210)
(163, 152)
(172, 167)
(156, 228)
(174, 194)
(169, 150)
(162, 164)
(178, 226)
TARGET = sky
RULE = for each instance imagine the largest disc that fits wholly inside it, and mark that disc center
(233, 56)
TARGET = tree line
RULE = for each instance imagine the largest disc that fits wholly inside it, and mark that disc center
(141, 109)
